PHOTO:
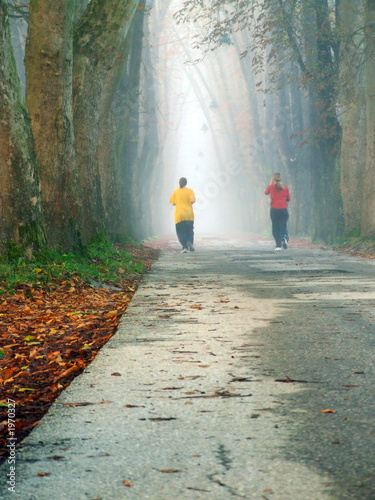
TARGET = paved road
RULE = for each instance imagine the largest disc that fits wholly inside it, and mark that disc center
(214, 386)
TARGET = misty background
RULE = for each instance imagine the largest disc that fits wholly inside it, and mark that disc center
(125, 98)
(205, 127)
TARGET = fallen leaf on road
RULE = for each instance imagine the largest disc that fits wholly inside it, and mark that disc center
(218, 394)
(103, 401)
(127, 483)
(168, 471)
(328, 411)
(162, 419)
(196, 306)
(224, 300)
(198, 489)
(73, 405)
(289, 380)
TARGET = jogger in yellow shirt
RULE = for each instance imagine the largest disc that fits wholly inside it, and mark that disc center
(183, 198)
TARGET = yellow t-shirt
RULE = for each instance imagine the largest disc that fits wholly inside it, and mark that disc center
(182, 198)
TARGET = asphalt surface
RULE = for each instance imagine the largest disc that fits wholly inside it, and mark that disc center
(236, 373)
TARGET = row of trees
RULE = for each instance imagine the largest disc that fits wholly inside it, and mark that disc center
(79, 154)
(69, 149)
(313, 68)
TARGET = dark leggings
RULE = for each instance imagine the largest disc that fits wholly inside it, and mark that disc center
(279, 217)
(185, 232)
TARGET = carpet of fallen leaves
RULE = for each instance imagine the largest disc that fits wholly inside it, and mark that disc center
(362, 250)
(48, 337)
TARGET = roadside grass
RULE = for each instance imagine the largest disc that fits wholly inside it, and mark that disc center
(101, 262)
(354, 245)
(56, 312)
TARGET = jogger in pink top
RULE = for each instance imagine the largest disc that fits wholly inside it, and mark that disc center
(280, 197)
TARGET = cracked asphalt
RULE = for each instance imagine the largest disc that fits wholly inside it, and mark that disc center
(235, 373)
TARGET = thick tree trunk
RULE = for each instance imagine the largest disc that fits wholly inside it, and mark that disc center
(140, 147)
(288, 127)
(114, 105)
(328, 204)
(299, 166)
(97, 39)
(49, 61)
(368, 201)
(20, 200)
(353, 144)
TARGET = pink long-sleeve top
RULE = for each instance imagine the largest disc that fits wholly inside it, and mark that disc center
(279, 198)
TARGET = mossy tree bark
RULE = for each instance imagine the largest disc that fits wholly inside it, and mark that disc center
(49, 62)
(368, 201)
(113, 107)
(353, 144)
(20, 198)
(328, 204)
(97, 39)
(136, 136)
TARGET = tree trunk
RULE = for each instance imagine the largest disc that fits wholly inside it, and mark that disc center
(97, 39)
(368, 201)
(49, 60)
(20, 200)
(115, 215)
(353, 144)
(299, 166)
(327, 200)
(140, 148)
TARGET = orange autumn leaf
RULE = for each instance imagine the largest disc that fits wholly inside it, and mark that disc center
(7, 373)
(328, 411)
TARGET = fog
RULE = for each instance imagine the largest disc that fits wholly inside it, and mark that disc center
(205, 130)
